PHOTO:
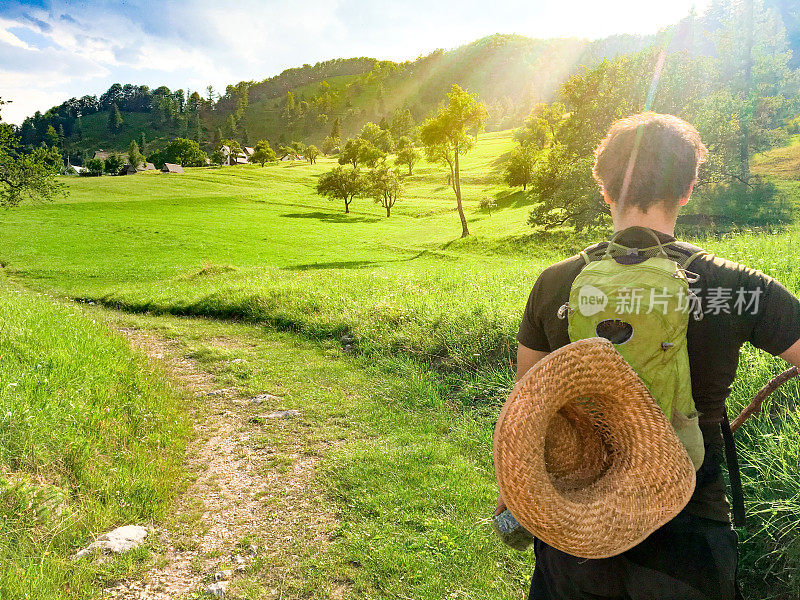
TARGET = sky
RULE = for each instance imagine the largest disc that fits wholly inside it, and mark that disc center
(52, 50)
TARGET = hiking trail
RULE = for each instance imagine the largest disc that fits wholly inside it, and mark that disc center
(239, 489)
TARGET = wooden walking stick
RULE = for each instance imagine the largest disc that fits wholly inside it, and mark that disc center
(762, 394)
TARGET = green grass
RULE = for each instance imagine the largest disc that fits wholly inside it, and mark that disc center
(256, 244)
(409, 479)
(90, 439)
(783, 162)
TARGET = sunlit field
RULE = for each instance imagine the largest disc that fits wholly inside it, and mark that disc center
(258, 245)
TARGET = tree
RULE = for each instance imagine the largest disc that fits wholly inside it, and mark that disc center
(446, 136)
(230, 125)
(218, 156)
(567, 193)
(182, 151)
(330, 145)
(312, 152)
(378, 137)
(542, 125)
(402, 124)
(341, 183)
(349, 152)
(142, 142)
(385, 186)
(406, 153)
(195, 130)
(27, 175)
(114, 163)
(94, 166)
(369, 155)
(289, 105)
(52, 137)
(336, 129)
(262, 153)
(519, 169)
(298, 149)
(358, 151)
(487, 204)
(134, 156)
(114, 118)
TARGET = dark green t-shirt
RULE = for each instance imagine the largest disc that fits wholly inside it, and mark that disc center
(739, 305)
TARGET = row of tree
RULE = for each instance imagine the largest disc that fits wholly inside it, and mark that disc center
(381, 183)
(445, 137)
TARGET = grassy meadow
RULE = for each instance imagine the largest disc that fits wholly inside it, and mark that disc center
(258, 245)
(90, 438)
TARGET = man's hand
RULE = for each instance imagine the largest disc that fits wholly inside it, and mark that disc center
(792, 355)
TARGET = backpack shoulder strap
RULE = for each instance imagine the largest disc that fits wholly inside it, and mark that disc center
(594, 252)
(684, 253)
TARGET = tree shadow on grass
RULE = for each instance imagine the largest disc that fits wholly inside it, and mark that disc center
(509, 199)
(513, 199)
(332, 217)
(344, 264)
(360, 264)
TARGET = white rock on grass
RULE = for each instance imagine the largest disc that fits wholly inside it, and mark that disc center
(217, 590)
(282, 414)
(117, 541)
(278, 414)
(261, 398)
(223, 575)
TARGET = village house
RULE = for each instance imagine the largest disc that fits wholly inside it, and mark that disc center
(129, 169)
(72, 169)
(104, 154)
(170, 168)
(240, 159)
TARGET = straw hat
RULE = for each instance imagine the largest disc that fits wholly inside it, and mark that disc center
(585, 458)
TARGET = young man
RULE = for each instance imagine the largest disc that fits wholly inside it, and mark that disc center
(646, 167)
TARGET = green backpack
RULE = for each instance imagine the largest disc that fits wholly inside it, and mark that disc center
(643, 309)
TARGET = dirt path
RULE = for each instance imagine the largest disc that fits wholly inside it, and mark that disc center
(244, 503)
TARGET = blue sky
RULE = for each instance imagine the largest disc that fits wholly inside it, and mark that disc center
(53, 50)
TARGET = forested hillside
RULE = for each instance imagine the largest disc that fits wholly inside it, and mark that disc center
(509, 73)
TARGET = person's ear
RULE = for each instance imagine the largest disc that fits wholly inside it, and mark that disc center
(684, 201)
(606, 197)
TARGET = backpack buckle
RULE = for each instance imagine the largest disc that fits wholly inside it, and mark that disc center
(563, 310)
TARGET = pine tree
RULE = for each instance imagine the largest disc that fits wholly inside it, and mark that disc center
(142, 142)
(336, 130)
(114, 119)
(230, 125)
(134, 155)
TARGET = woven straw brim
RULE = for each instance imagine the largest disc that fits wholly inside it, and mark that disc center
(584, 457)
